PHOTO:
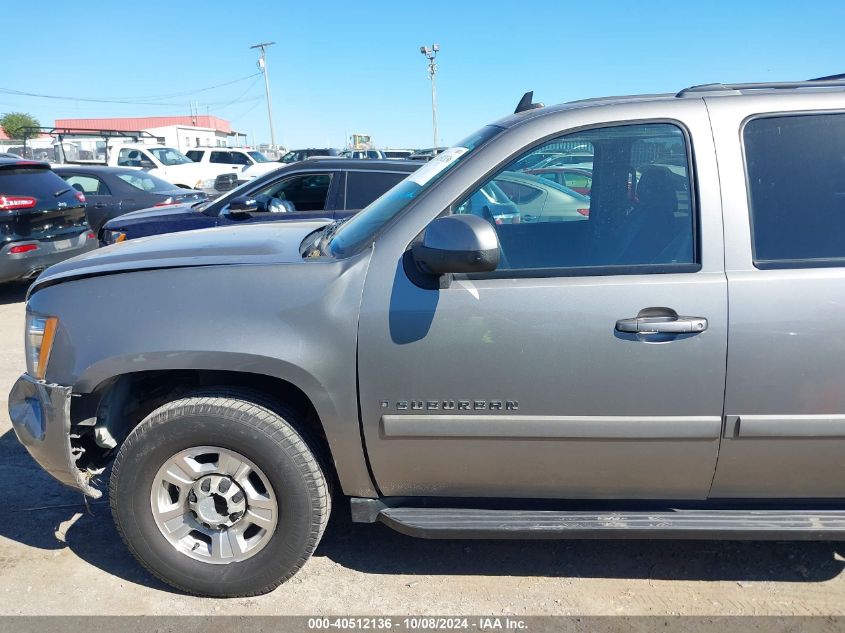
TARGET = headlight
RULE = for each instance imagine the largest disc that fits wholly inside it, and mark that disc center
(113, 237)
(40, 334)
(206, 184)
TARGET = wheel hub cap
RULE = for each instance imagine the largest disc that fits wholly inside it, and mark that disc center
(217, 501)
(214, 505)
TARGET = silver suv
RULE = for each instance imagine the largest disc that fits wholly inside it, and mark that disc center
(666, 362)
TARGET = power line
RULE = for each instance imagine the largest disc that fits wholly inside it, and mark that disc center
(127, 100)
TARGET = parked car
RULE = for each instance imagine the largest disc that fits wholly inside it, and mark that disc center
(575, 178)
(540, 200)
(643, 373)
(397, 153)
(168, 164)
(582, 160)
(42, 219)
(243, 164)
(315, 188)
(293, 156)
(426, 154)
(296, 155)
(374, 154)
(114, 191)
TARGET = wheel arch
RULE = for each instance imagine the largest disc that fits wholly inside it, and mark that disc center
(116, 400)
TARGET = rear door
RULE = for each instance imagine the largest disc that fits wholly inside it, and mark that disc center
(101, 205)
(782, 168)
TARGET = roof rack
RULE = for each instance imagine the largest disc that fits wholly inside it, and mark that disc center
(833, 81)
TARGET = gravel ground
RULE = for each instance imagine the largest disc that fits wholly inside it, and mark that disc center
(58, 556)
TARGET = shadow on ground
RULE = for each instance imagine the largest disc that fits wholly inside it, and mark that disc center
(14, 292)
(39, 507)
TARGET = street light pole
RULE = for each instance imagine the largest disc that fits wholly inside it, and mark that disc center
(430, 55)
(262, 65)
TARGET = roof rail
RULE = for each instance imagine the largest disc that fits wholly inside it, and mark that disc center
(834, 81)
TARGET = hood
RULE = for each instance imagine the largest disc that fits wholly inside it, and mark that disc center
(259, 169)
(178, 210)
(276, 242)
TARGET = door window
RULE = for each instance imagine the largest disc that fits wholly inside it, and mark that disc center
(195, 155)
(362, 187)
(88, 185)
(130, 158)
(638, 216)
(306, 192)
(796, 186)
(221, 157)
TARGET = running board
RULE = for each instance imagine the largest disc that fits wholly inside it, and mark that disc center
(446, 523)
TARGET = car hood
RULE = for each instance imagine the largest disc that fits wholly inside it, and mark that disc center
(259, 169)
(142, 215)
(276, 242)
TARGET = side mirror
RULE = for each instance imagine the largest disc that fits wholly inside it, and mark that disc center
(249, 205)
(457, 244)
(146, 164)
(243, 205)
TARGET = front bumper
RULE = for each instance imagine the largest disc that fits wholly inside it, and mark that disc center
(28, 265)
(40, 414)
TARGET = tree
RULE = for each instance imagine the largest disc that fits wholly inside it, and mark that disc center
(13, 123)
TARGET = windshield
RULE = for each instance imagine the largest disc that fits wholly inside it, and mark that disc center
(169, 156)
(362, 228)
(258, 157)
(143, 181)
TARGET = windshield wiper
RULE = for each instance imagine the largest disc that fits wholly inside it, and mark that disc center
(61, 192)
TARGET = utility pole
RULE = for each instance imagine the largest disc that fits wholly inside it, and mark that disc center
(430, 55)
(262, 65)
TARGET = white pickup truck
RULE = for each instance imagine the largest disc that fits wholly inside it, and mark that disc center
(167, 163)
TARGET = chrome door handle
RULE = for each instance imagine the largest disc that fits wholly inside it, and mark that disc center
(662, 324)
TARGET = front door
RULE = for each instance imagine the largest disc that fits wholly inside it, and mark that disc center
(591, 364)
(304, 196)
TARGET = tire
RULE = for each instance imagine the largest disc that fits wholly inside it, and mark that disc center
(282, 469)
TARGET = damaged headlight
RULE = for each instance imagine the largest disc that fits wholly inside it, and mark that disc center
(40, 334)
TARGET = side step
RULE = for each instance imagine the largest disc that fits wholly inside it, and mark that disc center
(782, 524)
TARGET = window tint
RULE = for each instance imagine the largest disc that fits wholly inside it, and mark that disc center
(221, 157)
(194, 155)
(143, 181)
(362, 187)
(638, 211)
(796, 181)
(307, 192)
(88, 184)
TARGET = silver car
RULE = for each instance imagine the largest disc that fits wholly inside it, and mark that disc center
(671, 366)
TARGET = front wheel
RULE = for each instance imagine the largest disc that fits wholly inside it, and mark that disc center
(218, 495)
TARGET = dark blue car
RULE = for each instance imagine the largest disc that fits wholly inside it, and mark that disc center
(315, 188)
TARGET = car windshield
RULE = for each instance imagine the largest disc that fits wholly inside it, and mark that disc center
(363, 227)
(258, 157)
(145, 182)
(169, 156)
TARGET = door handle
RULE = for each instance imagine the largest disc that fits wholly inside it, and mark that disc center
(661, 321)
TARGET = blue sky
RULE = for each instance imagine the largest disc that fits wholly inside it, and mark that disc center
(354, 66)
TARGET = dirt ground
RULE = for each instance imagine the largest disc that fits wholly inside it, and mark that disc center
(59, 557)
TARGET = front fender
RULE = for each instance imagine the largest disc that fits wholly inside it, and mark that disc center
(296, 322)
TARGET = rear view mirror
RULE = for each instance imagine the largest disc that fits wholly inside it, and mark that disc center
(457, 244)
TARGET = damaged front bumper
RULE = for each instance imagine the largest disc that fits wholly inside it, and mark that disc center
(40, 414)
